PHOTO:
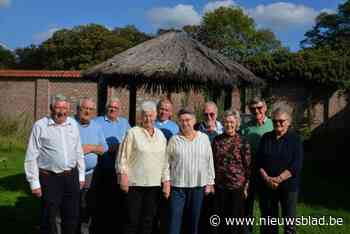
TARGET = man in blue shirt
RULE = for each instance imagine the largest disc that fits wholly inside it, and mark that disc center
(164, 122)
(94, 145)
(109, 195)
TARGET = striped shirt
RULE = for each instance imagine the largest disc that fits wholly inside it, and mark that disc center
(191, 162)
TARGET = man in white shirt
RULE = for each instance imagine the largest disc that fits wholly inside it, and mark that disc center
(55, 168)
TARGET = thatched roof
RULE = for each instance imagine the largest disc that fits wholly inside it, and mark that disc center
(173, 61)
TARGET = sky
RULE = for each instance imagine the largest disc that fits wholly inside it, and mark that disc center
(25, 22)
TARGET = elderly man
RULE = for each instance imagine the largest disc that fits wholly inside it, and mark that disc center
(164, 122)
(253, 131)
(143, 166)
(210, 126)
(94, 145)
(108, 193)
(55, 168)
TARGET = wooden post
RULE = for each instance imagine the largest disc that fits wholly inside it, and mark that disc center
(243, 90)
(228, 98)
(132, 104)
(102, 95)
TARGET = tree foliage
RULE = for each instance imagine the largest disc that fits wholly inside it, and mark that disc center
(7, 58)
(233, 33)
(79, 48)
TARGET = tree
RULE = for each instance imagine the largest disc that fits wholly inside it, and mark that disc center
(7, 58)
(331, 29)
(79, 48)
(233, 33)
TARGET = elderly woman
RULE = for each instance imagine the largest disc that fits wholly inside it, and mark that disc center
(191, 172)
(142, 167)
(279, 161)
(232, 169)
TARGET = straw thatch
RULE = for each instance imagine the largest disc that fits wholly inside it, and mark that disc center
(173, 61)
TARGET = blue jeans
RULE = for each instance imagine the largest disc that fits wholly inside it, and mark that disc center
(187, 200)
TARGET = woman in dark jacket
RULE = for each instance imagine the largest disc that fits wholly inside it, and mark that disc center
(279, 161)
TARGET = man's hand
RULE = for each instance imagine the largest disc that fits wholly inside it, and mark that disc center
(87, 148)
(124, 183)
(37, 192)
(166, 189)
(81, 184)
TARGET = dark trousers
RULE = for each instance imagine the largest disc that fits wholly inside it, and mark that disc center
(185, 200)
(109, 200)
(161, 220)
(141, 208)
(269, 206)
(249, 202)
(229, 203)
(60, 194)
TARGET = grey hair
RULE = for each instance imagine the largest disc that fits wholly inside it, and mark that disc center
(256, 100)
(211, 103)
(281, 111)
(148, 106)
(111, 100)
(57, 98)
(80, 102)
(235, 114)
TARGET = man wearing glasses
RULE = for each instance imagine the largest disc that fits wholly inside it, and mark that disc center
(253, 131)
(210, 125)
(109, 195)
(94, 145)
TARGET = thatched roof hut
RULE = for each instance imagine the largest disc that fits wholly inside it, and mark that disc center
(172, 62)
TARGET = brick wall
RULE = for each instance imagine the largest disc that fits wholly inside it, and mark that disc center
(17, 97)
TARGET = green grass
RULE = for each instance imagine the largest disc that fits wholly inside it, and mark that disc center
(324, 192)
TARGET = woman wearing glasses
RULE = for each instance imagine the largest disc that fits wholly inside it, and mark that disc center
(279, 160)
(232, 170)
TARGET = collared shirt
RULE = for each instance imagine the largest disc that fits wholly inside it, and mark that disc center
(92, 134)
(276, 155)
(53, 147)
(114, 132)
(168, 127)
(253, 132)
(218, 130)
(191, 162)
(232, 161)
(143, 157)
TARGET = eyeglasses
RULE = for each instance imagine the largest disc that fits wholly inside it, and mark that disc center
(280, 121)
(212, 114)
(255, 108)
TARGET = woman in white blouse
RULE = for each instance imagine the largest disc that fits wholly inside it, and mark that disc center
(191, 172)
(142, 166)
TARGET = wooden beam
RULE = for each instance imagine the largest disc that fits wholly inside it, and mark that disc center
(132, 104)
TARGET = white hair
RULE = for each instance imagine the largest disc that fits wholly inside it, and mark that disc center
(235, 114)
(111, 100)
(85, 99)
(148, 106)
(57, 98)
(211, 103)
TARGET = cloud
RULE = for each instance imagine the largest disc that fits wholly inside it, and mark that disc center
(211, 6)
(40, 37)
(283, 15)
(5, 3)
(176, 17)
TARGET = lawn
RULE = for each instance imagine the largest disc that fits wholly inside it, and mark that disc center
(323, 193)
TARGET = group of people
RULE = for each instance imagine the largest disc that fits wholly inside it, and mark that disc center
(102, 176)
